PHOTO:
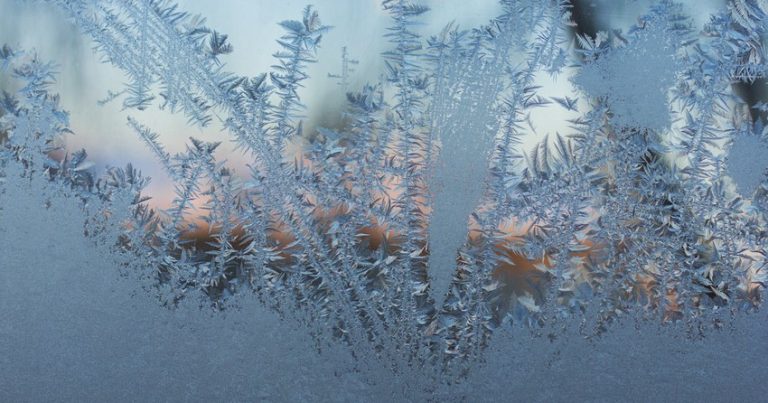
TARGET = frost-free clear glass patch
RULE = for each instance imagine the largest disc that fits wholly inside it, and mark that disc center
(436, 200)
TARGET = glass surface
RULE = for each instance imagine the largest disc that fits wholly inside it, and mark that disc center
(542, 200)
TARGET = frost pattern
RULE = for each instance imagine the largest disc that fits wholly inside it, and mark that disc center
(748, 159)
(644, 69)
(421, 228)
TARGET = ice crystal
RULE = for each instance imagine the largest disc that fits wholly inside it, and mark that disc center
(642, 69)
(748, 160)
(422, 226)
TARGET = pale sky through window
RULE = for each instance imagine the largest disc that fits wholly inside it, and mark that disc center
(252, 26)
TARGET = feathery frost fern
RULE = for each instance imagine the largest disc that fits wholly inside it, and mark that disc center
(422, 226)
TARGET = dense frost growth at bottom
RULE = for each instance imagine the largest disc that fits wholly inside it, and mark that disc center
(73, 329)
(420, 228)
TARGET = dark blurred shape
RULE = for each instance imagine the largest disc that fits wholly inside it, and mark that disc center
(752, 93)
(585, 14)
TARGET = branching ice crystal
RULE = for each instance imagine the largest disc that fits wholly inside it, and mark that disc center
(422, 226)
